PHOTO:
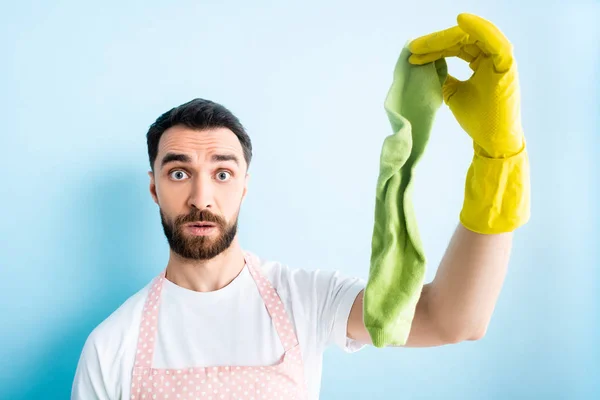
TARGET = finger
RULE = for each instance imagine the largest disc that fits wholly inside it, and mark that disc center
(484, 31)
(437, 41)
(455, 51)
(488, 38)
(474, 65)
(472, 49)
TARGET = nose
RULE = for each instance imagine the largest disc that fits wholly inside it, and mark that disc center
(202, 193)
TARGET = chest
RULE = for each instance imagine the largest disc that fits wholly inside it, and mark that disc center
(237, 330)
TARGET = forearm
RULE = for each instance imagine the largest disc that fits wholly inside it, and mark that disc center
(463, 294)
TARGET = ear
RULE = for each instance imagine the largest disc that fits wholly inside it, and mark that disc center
(153, 187)
(246, 186)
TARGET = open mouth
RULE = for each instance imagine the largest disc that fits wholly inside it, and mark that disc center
(200, 228)
(201, 224)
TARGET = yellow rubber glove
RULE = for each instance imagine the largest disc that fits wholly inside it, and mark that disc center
(488, 107)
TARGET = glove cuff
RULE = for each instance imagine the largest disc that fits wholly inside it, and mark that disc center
(497, 194)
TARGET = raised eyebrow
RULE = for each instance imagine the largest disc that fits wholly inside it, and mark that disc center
(184, 158)
(225, 157)
(172, 157)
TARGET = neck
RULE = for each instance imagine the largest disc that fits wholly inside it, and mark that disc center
(206, 275)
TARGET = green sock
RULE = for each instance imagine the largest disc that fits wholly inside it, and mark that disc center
(397, 267)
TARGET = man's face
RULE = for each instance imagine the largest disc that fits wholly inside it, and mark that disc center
(200, 176)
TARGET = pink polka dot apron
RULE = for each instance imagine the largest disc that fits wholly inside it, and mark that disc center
(282, 380)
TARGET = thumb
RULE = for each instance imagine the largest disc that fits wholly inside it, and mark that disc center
(450, 87)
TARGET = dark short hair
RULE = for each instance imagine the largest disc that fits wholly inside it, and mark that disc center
(197, 114)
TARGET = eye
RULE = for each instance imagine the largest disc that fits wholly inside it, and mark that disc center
(177, 171)
(222, 175)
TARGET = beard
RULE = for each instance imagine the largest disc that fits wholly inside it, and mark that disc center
(199, 247)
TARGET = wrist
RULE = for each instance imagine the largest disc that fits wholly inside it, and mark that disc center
(498, 153)
(497, 194)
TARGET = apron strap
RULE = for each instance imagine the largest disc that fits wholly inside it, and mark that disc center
(279, 316)
(148, 327)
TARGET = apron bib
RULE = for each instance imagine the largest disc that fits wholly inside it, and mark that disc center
(282, 380)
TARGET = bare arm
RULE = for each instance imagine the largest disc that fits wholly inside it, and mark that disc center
(458, 304)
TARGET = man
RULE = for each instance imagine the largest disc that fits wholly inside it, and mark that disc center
(221, 323)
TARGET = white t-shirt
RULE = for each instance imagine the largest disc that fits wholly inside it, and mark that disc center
(226, 327)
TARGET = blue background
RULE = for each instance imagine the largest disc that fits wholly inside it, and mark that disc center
(81, 83)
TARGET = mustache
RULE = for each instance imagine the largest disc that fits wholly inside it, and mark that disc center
(202, 216)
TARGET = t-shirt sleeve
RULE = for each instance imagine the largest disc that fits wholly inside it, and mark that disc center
(88, 382)
(337, 303)
(329, 296)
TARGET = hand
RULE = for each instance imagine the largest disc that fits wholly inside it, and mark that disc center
(487, 105)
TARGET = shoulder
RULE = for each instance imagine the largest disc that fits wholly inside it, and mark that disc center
(106, 341)
(310, 284)
(109, 352)
(285, 276)
(323, 297)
